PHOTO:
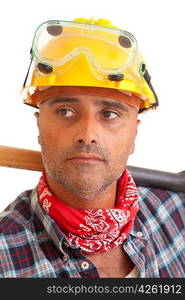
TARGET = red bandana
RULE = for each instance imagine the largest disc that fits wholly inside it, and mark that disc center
(94, 230)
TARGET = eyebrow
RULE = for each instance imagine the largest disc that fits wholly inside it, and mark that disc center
(63, 100)
(117, 104)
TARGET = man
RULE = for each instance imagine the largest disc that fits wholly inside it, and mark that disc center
(86, 218)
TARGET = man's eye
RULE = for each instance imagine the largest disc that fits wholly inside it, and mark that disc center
(108, 114)
(65, 112)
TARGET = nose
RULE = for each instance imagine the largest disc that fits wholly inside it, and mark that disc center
(87, 131)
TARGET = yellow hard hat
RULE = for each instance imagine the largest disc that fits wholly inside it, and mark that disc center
(87, 53)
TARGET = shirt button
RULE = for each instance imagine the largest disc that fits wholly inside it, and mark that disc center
(85, 265)
(139, 234)
(66, 244)
(65, 258)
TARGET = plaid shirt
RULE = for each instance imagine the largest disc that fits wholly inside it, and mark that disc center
(32, 245)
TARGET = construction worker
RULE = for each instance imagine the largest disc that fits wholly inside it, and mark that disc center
(86, 217)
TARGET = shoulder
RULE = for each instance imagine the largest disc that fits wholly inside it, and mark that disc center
(160, 207)
(161, 220)
(15, 234)
(16, 214)
(155, 200)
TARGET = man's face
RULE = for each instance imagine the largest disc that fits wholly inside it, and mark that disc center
(85, 140)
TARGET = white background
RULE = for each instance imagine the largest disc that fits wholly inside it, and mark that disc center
(159, 27)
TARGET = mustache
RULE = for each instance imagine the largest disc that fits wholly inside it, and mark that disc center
(94, 149)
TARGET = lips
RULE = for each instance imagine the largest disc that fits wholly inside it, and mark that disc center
(85, 157)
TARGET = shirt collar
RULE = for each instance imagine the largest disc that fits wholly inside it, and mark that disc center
(57, 236)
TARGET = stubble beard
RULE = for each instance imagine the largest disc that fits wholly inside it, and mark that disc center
(85, 180)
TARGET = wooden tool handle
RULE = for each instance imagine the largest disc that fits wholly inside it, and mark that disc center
(20, 158)
(31, 160)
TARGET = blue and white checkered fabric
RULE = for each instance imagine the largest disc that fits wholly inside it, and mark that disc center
(32, 245)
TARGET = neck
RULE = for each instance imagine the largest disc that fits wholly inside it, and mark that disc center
(102, 199)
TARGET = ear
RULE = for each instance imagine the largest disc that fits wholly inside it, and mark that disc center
(39, 139)
(132, 148)
(138, 123)
(36, 114)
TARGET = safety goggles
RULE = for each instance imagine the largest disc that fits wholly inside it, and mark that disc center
(108, 50)
(65, 53)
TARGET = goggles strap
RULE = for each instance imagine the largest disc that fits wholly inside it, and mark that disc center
(24, 84)
(147, 77)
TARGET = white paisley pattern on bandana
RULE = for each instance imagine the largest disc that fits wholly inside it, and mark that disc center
(94, 230)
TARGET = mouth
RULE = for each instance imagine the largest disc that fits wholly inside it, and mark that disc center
(86, 158)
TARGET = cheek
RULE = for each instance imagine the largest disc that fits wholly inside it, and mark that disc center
(121, 142)
(121, 146)
(55, 140)
(49, 132)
